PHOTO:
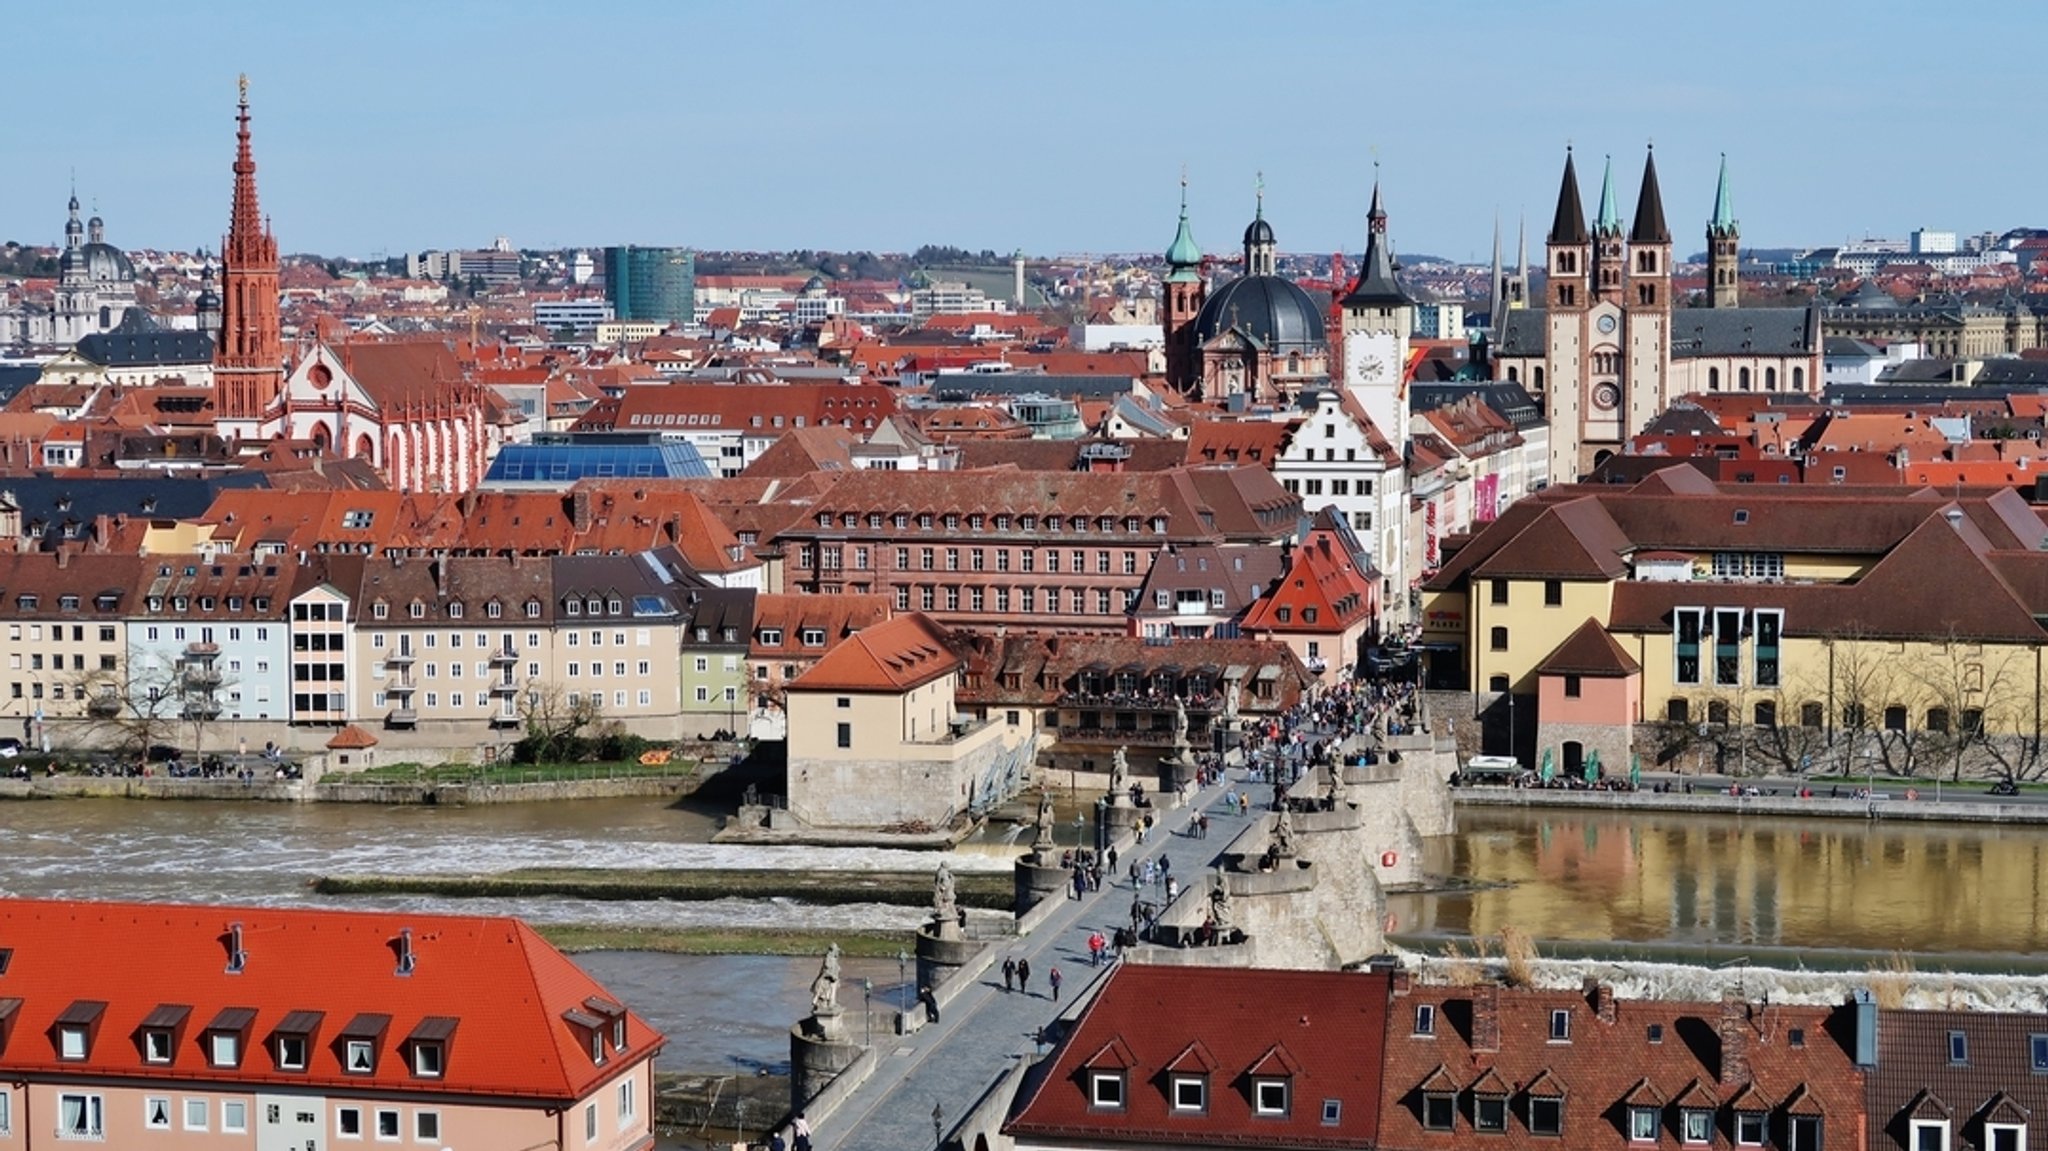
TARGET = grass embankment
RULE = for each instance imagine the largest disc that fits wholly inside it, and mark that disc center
(495, 773)
(724, 940)
(993, 890)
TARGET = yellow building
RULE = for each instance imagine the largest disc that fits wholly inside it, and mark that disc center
(1771, 627)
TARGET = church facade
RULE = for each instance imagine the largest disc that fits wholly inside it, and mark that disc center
(1608, 351)
(1259, 336)
(95, 290)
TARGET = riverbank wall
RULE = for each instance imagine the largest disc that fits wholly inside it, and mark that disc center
(306, 791)
(1922, 810)
(990, 890)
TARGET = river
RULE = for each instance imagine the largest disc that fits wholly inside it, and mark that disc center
(1740, 881)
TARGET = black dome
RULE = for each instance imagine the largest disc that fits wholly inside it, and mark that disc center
(1272, 308)
(1258, 231)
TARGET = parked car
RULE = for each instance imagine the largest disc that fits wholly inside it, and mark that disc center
(2003, 787)
(162, 753)
(9, 747)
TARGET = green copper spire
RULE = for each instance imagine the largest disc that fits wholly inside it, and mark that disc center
(1723, 223)
(1184, 259)
(1609, 221)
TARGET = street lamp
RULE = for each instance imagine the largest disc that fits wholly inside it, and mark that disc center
(902, 977)
(938, 1125)
(867, 995)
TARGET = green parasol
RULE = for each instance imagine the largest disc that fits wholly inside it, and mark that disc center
(1593, 767)
(1549, 768)
(1635, 771)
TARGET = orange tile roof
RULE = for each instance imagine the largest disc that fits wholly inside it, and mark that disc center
(505, 989)
(895, 656)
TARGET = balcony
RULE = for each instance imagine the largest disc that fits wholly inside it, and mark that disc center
(402, 657)
(402, 717)
(103, 706)
(205, 708)
(201, 677)
(402, 687)
(504, 657)
(201, 650)
(504, 687)
(500, 719)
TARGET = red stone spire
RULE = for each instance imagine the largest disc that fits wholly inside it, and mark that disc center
(249, 362)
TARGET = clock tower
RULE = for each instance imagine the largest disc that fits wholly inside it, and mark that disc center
(1378, 316)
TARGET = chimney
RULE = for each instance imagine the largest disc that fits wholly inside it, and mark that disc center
(406, 959)
(579, 509)
(63, 557)
(1603, 1002)
(1486, 1018)
(1734, 1040)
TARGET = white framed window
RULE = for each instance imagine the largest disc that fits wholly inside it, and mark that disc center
(71, 1043)
(626, 1102)
(1696, 1126)
(234, 1116)
(426, 1060)
(590, 1123)
(1560, 1025)
(1190, 1093)
(1749, 1130)
(387, 1123)
(359, 1057)
(81, 1116)
(1997, 1137)
(1546, 1115)
(291, 1053)
(1928, 1135)
(156, 1112)
(195, 1114)
(426, 1126)
(1269, 1097)
(1425, 1019)
(156, 1046)
(224, 1049)
(1642, 1124)
(1106, 1090)
(348, 1122)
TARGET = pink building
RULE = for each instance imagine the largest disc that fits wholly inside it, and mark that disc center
(274, 1030)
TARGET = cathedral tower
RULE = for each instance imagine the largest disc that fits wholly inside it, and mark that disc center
(1608, 261)
(249, 360)
(1185, 293)
(1648, 351)
(1378, 317)
(1557, 381)
(1724, 243)
(1571, 247)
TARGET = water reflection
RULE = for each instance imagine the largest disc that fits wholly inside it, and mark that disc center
(1741, 881)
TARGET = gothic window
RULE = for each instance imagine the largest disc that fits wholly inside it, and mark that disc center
(1770, 379)
(1713, 379)
(1742, 379)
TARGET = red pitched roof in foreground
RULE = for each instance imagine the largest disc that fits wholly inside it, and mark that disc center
(494, 992)
(1323, 1032)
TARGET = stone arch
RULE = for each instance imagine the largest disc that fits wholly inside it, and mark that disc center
(365, 449)
(394, 461)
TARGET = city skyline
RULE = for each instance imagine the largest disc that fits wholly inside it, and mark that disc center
(853, 134)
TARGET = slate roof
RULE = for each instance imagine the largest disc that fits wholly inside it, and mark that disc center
(1508, 400)
(504, 987)
(1323, 1030)
(119, 349)
(1913, 1062)
(948, 384)
(1568, 226)
(1744, 331)
(56, 508)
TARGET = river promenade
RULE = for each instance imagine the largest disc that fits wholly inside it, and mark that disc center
(1900, 801)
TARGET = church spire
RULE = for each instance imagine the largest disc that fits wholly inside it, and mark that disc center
(1183, 258)
(1649, 227)
(1609, 221)
(1377, 284)
(1723, 223)
(1569, 225)
(1260, 248)
(249, 359)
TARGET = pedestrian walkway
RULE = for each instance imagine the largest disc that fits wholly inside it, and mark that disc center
(951, 1063)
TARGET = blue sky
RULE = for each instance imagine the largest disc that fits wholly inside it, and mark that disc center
(1053, 126)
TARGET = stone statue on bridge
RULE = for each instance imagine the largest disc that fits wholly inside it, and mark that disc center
(1334, 792)
(1221, 921)
(1043, 841)
(825, 988)
(1180, 721)
(1283, 832)
(1230, 701)
(945, 901)
(1119, 772)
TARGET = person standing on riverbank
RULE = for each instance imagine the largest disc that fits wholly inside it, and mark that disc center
(1055, 979)
(1024, 976)
(1009, 972)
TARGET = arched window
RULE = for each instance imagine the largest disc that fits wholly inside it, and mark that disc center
(1539, 377)
(1713, 379)
(1798, 379)
(1717, 711)
(1770, 379)
(1742, 379)
(1766, 713)
(1512, 375)
(1810, 713)
(1678, 711)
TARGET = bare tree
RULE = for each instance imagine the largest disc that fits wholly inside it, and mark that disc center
(131, 709)
(554, 717)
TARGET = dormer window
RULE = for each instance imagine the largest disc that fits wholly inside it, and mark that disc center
(1997, 1137)
(76, 1027)
(1489, 1113)
(429, 1044)
(1928, 1135)
(573, 606)
(1439, 1110)
(1270, 1097)
(455, 610)
(416, 609)
(1106, 1090)
(1190, 1093)
(1642, 1124)
(1696, 1126)
(1749, 1131)
(159, 1032)
(359, 1040)
(380, 610)
(291, 1052)
(533, 609)
(597, 1047)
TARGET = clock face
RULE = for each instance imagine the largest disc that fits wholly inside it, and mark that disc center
(1368, 358)
(1606, 396)
(1371, 368)
(1606, 325)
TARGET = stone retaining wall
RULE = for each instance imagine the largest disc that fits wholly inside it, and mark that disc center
(1898, 806)
(303, 791)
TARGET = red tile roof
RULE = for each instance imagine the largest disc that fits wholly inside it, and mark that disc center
(1590, 651)
(505, 989)
(1322, 1031)
(898, 655)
